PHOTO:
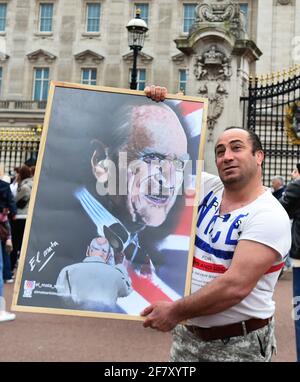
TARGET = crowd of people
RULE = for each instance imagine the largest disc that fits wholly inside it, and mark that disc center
(15, 194)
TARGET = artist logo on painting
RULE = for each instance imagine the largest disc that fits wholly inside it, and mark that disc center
(28, 288)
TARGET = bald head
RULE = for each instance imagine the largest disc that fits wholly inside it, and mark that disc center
(158, 128)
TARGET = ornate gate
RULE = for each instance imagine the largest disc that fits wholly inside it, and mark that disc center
(272, 111)
(17, 146)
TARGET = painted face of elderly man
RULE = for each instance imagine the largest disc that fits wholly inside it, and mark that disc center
(156, 151)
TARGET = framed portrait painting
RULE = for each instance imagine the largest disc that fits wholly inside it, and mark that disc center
(112, 215)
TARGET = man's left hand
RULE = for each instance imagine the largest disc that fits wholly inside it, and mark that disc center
(157, 93)
(160, 316)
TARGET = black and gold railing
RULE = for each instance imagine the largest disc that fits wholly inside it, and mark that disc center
(272, 110)
(19, 145)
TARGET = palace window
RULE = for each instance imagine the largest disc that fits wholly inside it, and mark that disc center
(140, 78)
(89, 76)
(188, 16)
(93, 11)
(144, 8)
(46, 17)
(40, 84)
(2, 17)
(244, 10)
(182, 80)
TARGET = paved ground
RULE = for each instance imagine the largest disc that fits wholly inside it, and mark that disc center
(41, 337)
(285, 334)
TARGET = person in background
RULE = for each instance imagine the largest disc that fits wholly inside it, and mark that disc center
(291, 202)
(3, 176)
(22, 201)
(6, 204)
(278, 186)
(14, 181)
(6, 241)
(32, 171)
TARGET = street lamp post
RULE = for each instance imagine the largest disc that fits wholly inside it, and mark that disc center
(137, 29)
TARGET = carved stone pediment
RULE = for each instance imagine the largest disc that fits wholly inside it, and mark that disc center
(88, 54)
(178, 58)
(41, 53)
(145, 58)
(283, 2)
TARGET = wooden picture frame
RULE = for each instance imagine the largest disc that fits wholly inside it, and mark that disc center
(89, 254)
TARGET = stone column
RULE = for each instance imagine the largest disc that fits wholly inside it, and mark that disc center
(220, 57)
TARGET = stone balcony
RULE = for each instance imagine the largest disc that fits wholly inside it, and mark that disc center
(15, 105)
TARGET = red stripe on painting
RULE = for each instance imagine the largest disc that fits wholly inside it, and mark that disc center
(146, 288)
(275, 268)
(209, 267)
(189, 107)
(185, 222)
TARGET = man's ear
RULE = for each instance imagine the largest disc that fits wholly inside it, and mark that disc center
(260, 156)
(100, 168)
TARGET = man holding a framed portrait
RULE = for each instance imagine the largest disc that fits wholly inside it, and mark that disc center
(242, 239)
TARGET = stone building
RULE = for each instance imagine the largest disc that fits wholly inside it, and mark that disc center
(207, 48)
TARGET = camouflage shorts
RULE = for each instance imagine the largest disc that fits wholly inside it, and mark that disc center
(257, 346)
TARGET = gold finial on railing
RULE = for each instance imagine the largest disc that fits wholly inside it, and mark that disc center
(260, 78)
(273, 77)
(269, 79)
(265, 79)
(39, 128)
(292, 71)
(278, 75)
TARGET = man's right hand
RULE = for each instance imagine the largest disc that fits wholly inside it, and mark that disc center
(157, 93)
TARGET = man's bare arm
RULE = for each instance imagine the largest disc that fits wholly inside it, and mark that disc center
(251, 260)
